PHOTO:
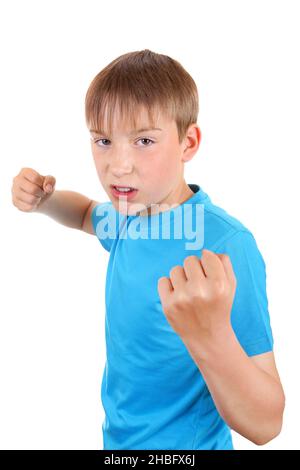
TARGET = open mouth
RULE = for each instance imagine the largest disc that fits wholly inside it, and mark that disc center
(125, 191)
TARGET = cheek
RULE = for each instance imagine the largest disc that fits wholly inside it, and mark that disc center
(161, 166)
(167, 167)
(100, 170)
(99, 164)
(153, 173)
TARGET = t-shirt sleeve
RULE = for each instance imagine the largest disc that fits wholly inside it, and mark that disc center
(249, 315)
(106, 223)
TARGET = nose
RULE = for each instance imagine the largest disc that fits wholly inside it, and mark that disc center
(121, 164)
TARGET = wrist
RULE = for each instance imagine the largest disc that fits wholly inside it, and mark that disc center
(44, 203)
(211, 345)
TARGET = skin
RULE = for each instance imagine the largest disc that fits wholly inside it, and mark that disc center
(154, 168)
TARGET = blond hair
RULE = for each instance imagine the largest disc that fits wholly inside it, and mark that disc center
(145, 79)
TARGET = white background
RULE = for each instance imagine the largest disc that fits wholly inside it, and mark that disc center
(244, 57)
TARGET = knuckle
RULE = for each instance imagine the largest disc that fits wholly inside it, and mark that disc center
(34, 178)
(190, 259)
(219, 286)
(38, 193)
(196, 297)
(180, 299)
(174, 269)
(32, 199)
(168, 309)
(194, 292)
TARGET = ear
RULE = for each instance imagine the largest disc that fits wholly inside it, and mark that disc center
(191, 142)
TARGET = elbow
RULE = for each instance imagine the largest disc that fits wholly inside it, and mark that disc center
(274, 430)
(262, 440)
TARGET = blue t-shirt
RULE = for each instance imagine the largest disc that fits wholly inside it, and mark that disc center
(153, 394)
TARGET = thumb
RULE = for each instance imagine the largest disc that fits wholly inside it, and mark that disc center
(49, 183)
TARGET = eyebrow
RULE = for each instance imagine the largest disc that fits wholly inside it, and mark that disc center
(135, 131)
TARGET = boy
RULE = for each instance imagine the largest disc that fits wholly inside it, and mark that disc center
(188, 335)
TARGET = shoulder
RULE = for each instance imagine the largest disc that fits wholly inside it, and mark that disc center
(221, 227)
(101, 208)
(106, 210)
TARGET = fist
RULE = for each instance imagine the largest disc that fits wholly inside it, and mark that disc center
(197, 298)
(29, 189)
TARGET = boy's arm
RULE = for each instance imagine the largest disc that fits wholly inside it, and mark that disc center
(33, 192)
(197, 301)
(87, 225)
(69, 208)
(249, 399)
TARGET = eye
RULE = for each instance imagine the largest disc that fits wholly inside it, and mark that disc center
(148, 140)
(103, 140)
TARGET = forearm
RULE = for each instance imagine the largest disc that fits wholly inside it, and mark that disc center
(65, 207)
(248, 399)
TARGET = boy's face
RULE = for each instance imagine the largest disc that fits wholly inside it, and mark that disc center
(151, 161)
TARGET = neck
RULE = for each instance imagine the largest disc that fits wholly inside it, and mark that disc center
(176, 197)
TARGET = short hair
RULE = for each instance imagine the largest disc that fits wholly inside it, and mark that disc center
(145, 79)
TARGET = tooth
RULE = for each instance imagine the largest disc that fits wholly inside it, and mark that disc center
(123, 189)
